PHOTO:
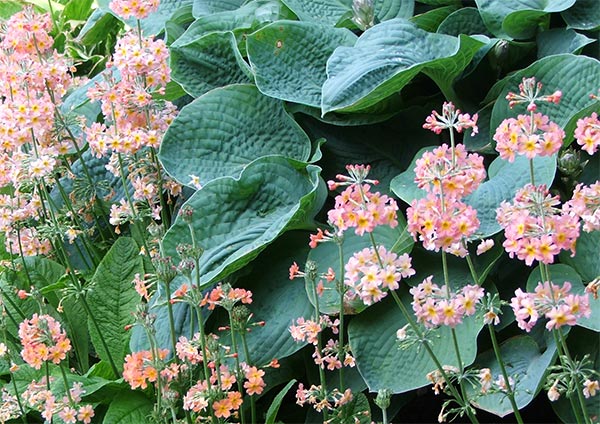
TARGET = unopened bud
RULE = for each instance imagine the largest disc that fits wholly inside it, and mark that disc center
(364, 13)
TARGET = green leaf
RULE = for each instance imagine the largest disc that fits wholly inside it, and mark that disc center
(77, 10)
(387, 57)
(97, 27)
(525, 363)
(504, 179)
(583, 15)
(130, 408)
(9, 8)
(372, 337)
(246, 17)
(328, 12)
(235, 219)
(208, 7)
(390, 9)
(464, 21)
(576, 76)
(326, 255)
(289, 58)
(518, 18)
(221, 132)
(274, 407)
(560, 40)
(208, 62)
(560, 273)
(481, 142)
(113, 299)
(431, 20)
(587, 259)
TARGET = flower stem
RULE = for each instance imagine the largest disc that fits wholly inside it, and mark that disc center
(341, 327)
(247, 354)
(238, 370)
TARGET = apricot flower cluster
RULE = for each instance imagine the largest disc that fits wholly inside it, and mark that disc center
(587, 133)
(551, 301)
(43, 340)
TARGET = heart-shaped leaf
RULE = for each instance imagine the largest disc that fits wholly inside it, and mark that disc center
(431, 20)
(382, 363)
(561, 40)
(560, 273)
(584, 14)
(524, 363)
(289, 58)
(466, 20)
(518, 18)
(387, 57)
(208, 62)
(221, 132)
(209, 7)
(587, 260)
(235, 219)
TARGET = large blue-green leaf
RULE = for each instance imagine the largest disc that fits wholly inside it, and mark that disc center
(560, 40)
(289, 58)
(504, 179)
(208, 7)
(208, 62)
(587, 259)
(431, 20)
(576, 76)
(584, 14)
(235, 219)
(518, 18)
(466, 20)
(381, 362)
(113, 299)
(221, 132)
(560, 273)
(387, 57)
(525, 364)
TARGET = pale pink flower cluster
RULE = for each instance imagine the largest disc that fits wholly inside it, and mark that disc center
(586, 204)
(371, 273)
(329, 357)
(9, 406)
(308, 330)
(43, 340)
(451, 118)
(435, 306)
(535, 227)
(552, 302)
(314, 396)
(139, 9)
(69, 411)
(529, 92)
(527, 135)
(453, 174)
(587, 133)
(189, 351)
(141, 368)
(26, 33)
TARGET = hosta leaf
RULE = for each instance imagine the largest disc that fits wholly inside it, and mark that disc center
(431, 20)
(221, 132)
(208, 7)
(560, 40)
(246, 17)
(466, 20)
(525, 363)
(587, 259)
(131, 408)
(560, 273)
(576, 76)
(504, 179)
(208, 62)
(326, 255)
(584, 14)
(113, 299)
(387, 57)
(390, 9)
(235, 219)
(289, 58)
(518, 18)
(372, 337)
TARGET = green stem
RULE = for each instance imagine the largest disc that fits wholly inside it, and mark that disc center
(18, 396)
(248, 361)
(341, 327)
(384, 413)
(67, 388)
(531, 173)
(171, 321)
(586, 416)
(320, 347)
(238, 370)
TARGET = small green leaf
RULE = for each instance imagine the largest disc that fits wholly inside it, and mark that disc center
(129, 408)
(584, 15)
(387, 57)
(518, 18)
(289, 58)
(77, 10)
(372, 337)
(221, 132)
(113, 299)
(208, 62)
(235, 219)
(560, 40)
(576, 76)
(524, 363)
(274, 408)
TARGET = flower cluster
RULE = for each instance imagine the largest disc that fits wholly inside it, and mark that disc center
(529, 92)
(587, 133)
(226, 296)
(139, 9)
(451, 118)
(530, 135)
(535, 228)
(308, 330)
(314, 396)
(585, 203)
(143, 367)
(43, 340)
(68, 408)
(371, 273)
(552, 302)
(435, 306)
